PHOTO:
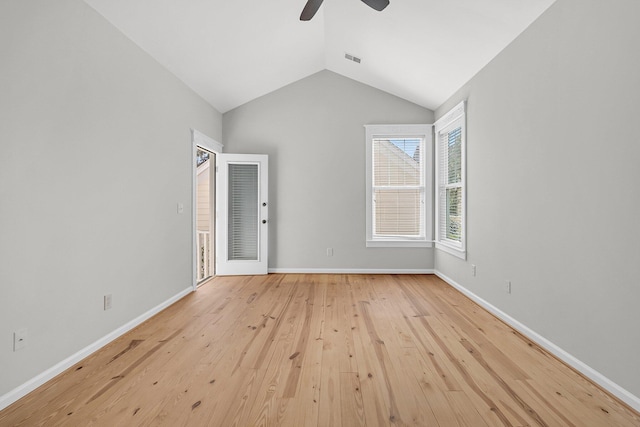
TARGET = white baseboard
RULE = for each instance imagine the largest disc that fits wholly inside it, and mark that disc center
(349, 271)
(595, 376)
(60, 367)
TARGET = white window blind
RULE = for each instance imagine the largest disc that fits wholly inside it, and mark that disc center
(450, 203)
(398, 187)
(450, 191)
(243, 212)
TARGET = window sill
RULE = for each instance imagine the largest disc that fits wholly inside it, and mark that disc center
(399, 244)
(462, 254)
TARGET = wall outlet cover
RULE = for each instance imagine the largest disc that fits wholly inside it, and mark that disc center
(507, 286)
(20, 339)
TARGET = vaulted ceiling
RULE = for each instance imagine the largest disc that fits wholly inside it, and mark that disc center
(233, 51)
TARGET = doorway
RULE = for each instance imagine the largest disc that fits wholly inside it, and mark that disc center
(230, 211)
(204, 213)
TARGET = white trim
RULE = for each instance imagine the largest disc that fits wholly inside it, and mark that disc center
(349, 271)
(451, 115)
(204, 141)
(451, 250)
(590, 373)
(391, 243)
(35, 382)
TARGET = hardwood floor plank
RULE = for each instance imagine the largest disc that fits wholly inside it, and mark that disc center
(465, 413)
(321, 350)
(443, 412)
(375, 392)
(333, 351)
(472, 380)
(351, 401)
(307, 359)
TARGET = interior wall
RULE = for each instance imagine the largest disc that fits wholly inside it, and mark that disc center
(95, 154)
(553, 195)
(313, 132)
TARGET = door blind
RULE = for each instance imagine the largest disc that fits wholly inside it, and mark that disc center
(243, 212)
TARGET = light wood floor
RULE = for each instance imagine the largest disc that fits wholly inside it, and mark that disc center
(321, 350)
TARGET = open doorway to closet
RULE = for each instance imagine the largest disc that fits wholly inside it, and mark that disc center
(205, 217)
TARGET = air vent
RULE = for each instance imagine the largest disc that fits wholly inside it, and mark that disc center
(352, 58)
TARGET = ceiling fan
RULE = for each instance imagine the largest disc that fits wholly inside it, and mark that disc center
(312, 7)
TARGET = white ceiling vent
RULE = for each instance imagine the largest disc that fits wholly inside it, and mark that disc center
(352, 58)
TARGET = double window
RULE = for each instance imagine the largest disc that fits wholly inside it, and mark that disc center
(398, 182)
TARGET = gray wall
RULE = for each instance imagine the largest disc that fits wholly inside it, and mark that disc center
(313, 132)
(554, 183)
(94, 156)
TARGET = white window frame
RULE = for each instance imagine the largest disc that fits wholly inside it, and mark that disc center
(425, 132)
(455, 118)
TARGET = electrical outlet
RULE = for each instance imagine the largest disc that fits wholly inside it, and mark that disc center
(329, 251)
(507, 286)
(473, 270)
(20, 339)
(107, 302)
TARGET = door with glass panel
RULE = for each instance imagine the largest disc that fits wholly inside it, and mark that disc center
(242, 214)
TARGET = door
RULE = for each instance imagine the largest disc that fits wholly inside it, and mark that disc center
(242, 214)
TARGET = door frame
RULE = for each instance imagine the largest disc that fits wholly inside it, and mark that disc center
(199, 139)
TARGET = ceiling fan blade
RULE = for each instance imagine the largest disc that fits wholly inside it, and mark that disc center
(376, 4)
(310, 9)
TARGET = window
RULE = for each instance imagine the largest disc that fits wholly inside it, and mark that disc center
(450, 182)
(398, 185)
